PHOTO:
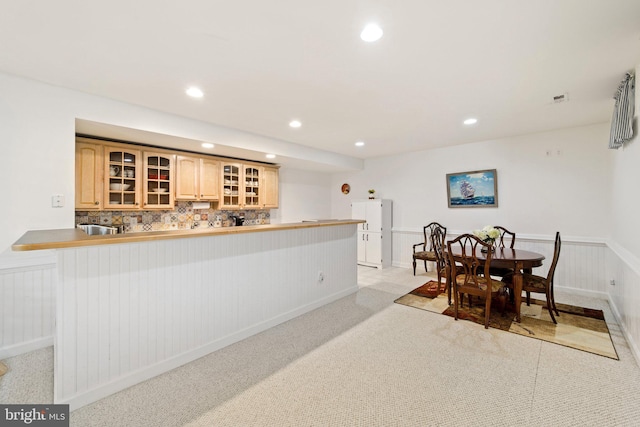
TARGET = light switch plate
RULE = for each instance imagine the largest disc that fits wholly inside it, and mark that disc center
(57, 201)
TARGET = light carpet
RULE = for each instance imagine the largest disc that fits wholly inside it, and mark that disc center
(578, 327)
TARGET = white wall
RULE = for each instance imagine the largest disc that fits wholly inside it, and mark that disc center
(537, 194)
(623, 262)
(303, 195)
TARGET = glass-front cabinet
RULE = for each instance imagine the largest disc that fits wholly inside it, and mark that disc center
(122, 168)
(252, 187)
(159, 178)
(241, 186)
(231, 176)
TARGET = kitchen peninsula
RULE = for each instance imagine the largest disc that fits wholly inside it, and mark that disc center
(132, 306)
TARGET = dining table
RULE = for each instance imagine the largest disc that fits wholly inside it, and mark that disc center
(520, 260)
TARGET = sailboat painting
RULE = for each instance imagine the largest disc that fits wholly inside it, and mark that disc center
(476, 189)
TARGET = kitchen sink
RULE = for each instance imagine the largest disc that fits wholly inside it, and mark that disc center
(97, 230)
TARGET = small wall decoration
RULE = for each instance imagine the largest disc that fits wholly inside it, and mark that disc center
(475, 189)
(345, 188)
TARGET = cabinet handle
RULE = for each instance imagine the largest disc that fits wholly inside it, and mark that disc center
(96, 203)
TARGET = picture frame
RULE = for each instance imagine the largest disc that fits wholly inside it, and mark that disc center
(473, 189)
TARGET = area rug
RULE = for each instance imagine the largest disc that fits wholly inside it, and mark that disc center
(580, 328)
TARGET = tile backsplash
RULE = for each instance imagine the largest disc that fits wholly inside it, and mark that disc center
(182, 217)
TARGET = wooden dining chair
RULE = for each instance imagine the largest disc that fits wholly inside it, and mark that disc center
(473, 277)
(442, 264)
(427, 253)
(506, 237)
(539, 284)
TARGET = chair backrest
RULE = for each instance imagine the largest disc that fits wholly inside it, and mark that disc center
(438, 237)
(556, 256)
(428, 231)
(463, 251)
(505, 233)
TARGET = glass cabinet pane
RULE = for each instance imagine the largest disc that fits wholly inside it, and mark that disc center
(158, 181)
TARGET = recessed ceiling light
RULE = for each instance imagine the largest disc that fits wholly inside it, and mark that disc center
(195, 92)
(470, 121)
(270, 156)
(295, 124)
(371, 33)
(359, 144)
(207, 145)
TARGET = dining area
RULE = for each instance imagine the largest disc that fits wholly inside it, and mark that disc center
(489, 277)
(486, 264)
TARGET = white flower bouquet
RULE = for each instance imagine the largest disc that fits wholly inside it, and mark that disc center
(488, 234)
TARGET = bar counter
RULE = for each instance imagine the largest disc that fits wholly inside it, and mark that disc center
(132, 306)
(73, 237)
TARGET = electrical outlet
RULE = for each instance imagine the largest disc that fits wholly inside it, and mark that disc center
(320, 277)
(612, 282)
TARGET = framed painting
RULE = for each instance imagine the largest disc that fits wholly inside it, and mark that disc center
(475, 189)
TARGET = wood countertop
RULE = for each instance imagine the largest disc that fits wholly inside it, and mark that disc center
(73, 237)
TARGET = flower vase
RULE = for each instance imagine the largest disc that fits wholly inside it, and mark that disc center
(491, 248)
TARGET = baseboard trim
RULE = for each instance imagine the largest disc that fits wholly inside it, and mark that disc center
(25, 347)
(80, 400)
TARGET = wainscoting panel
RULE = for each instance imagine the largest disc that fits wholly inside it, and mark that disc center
(27, 306)
(624, 297)
(581, 268)
(128, 312)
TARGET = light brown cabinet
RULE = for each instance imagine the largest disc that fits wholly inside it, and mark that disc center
(158, 181)
(248, 186)
(117, 176)
(89, 176)
(122, 178)
(197, 178)
(269, 188)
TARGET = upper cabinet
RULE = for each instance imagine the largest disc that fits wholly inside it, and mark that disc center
(231, 190)
(117, 176)
(122, 185)
(269, 187)
(197, 178)
(248, 186)
(89, 176)
(159, 178)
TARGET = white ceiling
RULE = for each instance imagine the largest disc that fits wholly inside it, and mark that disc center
(264, 63)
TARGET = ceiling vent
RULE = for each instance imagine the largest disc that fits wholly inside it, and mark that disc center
(561, 98)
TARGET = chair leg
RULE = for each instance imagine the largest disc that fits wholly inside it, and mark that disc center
(528, 298)
(550, 308)
(414, 266)
(456, 298)
(487, 312)
(553, 301)
(425, 266)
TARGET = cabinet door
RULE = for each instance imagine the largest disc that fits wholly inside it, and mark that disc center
(231, 176)
(89, 176)
(187, 178)
(252, 187)
(122, 166)
(158, 181)
(209, 178)
(362, 246)
(374, 248)
(269, 188)
(374, 215)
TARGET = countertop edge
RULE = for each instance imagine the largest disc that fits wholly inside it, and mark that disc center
(71, 237)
